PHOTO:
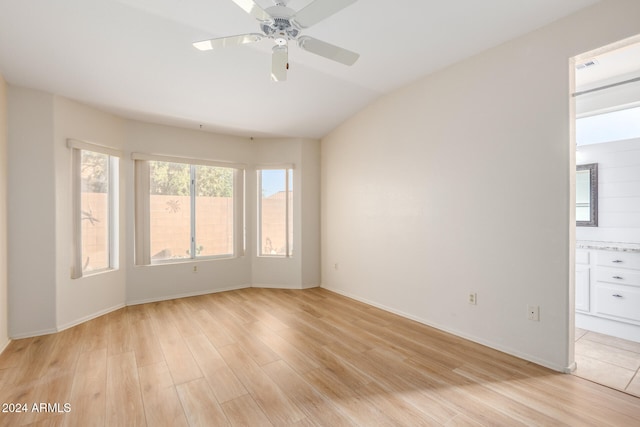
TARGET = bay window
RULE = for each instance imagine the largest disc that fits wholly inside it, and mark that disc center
(187, 209)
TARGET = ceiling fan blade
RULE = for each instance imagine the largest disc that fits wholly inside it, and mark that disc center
(328, 50)
(319, 10)
(221, 42)
(279, 63)
(253, 9)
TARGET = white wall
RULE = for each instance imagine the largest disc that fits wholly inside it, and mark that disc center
(303, 269)
(618, 191)
(4, 307)
(164, 281)
(310, 214)
(172, 280)
(86, 297)
(31, 213)
(151, 283)
(461, 183)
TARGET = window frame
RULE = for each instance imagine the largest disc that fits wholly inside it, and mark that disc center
(142, 234)
(289, 178)
(113, 195)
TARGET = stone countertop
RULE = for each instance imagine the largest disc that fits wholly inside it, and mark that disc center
(608, 246)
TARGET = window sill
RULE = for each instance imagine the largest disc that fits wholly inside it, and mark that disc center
(189, 260)
(95, 273)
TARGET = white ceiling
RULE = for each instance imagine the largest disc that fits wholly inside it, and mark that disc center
(134, 57)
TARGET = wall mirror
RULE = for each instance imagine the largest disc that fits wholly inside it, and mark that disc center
(587, 195)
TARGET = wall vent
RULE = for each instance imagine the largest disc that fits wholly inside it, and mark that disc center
(586, 64)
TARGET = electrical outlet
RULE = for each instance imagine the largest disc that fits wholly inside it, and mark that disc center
(533, 313)
(195, 268)
(473, 298)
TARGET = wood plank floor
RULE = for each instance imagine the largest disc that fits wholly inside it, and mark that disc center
(259, 357)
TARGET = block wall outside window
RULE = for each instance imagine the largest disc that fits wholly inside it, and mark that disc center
(95, 211)
(95, 200)
(275, 212)
(189, 211)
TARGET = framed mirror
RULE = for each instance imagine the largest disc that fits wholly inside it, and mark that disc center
(587, 195)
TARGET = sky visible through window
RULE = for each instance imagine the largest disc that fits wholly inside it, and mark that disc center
(613, 126)
(272, 182)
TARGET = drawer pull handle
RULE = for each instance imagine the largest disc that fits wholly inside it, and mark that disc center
(617, 277)
(617, 296)
(617, 261)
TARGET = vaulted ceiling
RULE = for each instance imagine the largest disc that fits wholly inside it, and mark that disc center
(135, 58)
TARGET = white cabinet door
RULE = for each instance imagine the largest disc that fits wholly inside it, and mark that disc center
(582, 287)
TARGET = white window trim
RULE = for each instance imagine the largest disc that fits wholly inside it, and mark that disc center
(278, 166)
(274, 166)
(90, 146)
(114, 190)
(142, 234)
(187, 160)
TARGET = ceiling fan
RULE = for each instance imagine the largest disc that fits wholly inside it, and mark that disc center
(282, 25)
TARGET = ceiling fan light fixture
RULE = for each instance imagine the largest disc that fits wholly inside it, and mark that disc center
(279, 63)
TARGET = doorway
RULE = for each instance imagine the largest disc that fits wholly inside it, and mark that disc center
(606, 123)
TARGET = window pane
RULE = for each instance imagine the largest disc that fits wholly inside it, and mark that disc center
(94, 205)
(214, 211)
(169, 210)
(273, 208)
(613, 126)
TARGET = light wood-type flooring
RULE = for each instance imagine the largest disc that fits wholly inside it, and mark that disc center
(259, 357)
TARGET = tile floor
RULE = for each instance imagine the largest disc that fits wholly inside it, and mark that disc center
(608, 360)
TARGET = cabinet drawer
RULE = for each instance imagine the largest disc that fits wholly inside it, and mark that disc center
(619, 259)
(618, 301)
(582, 257)
(618, 276)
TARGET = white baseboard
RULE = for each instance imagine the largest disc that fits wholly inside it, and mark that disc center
(455, 332)
(34, 334)
(5, 346)
(89, 317)
(626, 331)
(119, 306)
(272, 286)
(571, 368)
(186, 295)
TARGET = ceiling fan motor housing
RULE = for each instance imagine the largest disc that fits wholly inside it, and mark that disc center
(281, 29)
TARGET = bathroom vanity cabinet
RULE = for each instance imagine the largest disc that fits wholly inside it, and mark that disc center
(607, 288)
